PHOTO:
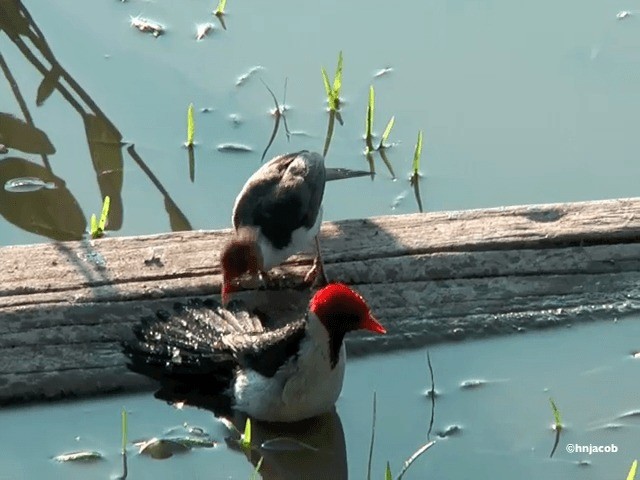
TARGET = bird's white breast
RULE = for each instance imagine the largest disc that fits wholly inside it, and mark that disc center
(306, 386)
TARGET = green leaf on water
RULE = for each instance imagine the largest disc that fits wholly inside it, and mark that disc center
(85, 456)
(387, 132)
(191, 127)
(327, 86)
(220, 9)
(123, 416)
(632, 472)
(94, 226)
(556, 415)
(417, 153)
(105, 213)
(246, 437)
(337, 79)
(369, 121)
(387, 473)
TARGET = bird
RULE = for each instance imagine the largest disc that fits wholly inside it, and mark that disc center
(277, 214)
(286, 374)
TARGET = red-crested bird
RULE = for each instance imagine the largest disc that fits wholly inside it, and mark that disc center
(281, 375)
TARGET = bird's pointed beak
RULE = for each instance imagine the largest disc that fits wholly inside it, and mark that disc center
(371, 324)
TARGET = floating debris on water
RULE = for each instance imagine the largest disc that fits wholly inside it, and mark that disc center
(235, 119)
(234, 147)
(162, 448)
(206, 110)
(203, 30)
(450, 431)
(245, 76)
(398, 200)
(280, 110)
(382, 72)
(147, 26)
(623, 14)
(470, 384)
(28, 184)
(635, 355)
(3, 148)
(82, 456)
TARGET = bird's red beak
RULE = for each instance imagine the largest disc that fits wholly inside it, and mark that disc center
(371, 324)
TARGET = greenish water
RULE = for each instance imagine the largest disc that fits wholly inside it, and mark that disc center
(519, 103)
(504, 423)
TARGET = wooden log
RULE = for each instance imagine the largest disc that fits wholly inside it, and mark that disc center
(65, 307)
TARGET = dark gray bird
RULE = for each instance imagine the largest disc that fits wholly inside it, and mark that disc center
(277, 214)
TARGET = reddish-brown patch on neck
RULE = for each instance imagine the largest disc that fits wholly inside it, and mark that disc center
(240, 255)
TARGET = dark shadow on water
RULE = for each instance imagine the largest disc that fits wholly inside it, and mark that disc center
(52, 212)
(104, 140)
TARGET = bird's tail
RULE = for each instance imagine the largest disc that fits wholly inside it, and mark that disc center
(183, 349)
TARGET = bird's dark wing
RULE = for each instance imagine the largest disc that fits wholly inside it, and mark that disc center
(268, 351)
(185, 345)
(282, 196)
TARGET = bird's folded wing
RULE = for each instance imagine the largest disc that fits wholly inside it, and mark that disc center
(266, 352)
(286, 195)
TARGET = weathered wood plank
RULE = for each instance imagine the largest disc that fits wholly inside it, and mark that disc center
(64, 308)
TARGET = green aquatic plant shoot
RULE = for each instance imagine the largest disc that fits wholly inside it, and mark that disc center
(333, 91)
(97, 227)
(417, 153)
(369, 121)
(632, 471)
(220, 10)
(556, 415)
(245, 441)
(386, 133)
(123, 416)
(557, 426)
(191, 126)
(387, 473)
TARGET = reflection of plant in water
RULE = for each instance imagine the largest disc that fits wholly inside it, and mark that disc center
(103, 138)
(414, 456)
(278, 113)
(219, 12)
